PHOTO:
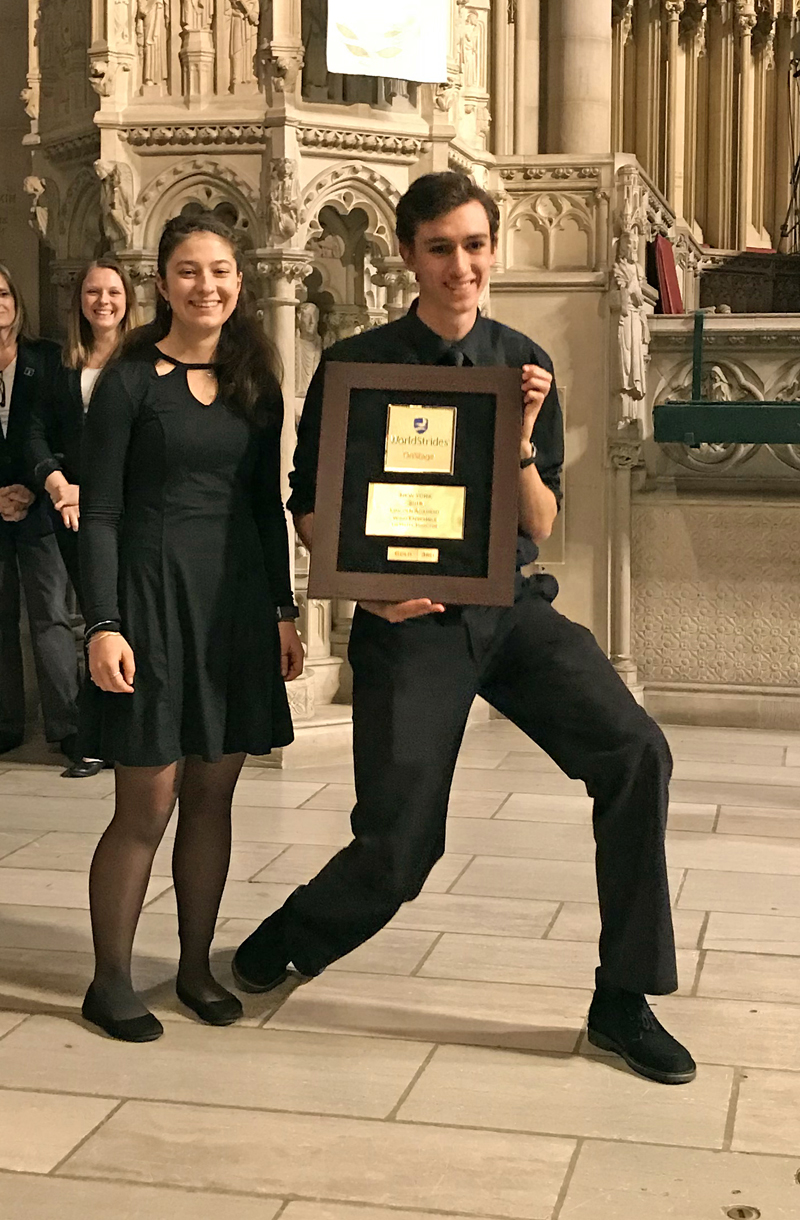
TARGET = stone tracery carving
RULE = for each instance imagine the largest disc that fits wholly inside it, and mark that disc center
(720, 383)
(633, 331)
(38, 217)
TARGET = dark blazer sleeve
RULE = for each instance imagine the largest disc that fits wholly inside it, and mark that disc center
(268, 511)
(303, 479)
(45, 445)
(106, 438)
(37, 364)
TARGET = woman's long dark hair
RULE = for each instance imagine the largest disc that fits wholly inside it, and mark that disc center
(246, 362)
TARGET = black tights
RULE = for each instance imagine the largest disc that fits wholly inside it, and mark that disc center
(145, 799)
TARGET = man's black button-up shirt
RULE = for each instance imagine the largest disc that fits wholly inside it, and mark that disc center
(410, 341)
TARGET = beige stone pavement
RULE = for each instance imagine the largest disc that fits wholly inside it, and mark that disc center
(442, 1069)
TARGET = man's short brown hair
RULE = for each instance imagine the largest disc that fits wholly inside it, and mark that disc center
(434, 195)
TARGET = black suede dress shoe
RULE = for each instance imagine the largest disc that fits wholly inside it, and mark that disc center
(10, 741)
(623, 1022)
(214, 1012)
(261, 962)
(135, 1029)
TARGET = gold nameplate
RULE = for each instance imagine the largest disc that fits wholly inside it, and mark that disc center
(413, 554)
(420, 438)
(415, 510)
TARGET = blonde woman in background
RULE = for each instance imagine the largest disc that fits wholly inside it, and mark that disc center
(102, 311)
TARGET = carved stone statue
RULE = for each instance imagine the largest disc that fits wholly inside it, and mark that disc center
(196, 14)
(632, 329)
(115, 203)
(471, 52)
(38, 219)
(151, 40)
(242, 42)
(308, 346)
(282, 206)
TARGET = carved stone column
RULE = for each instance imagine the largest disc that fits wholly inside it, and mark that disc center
(693, 30)
(673, 150)
(197, 50)
(579, 77)
(745, 23)
(624, 456)
(395, 277)
(526, 77)
(502, 44)
(622, 23)
(112, 52)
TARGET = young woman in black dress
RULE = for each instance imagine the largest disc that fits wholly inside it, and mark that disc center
(102, 311)
(189, 610)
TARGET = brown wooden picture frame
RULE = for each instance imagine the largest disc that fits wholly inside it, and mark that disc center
(496, 588)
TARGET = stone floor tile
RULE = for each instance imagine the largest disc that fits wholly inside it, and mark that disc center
(541, 963)
(321, 826)
(556, 880)
(44, 980)
(473, 756)
(439, 1010)
(40, 814)
(274, 794)
(475, 804)
(490, 916)
(241, 900)
(683, 815)
(720, 792)
(52, 888)
(267, 1068)
(500, 732)
(734, 1033)
(529, 807)
(348, 1211)
(722, 751)
(749, 893)
(445, 872)
(72, 852)
(793, 756)
(9, 1021)
(11, 841)
(636, 1182)
(759, 822)
(530, 760)
(723, 853)
(333, 796)
(47, 781)
(296, 864)
(37, 1130)
(732, 932)
(67, 929)
(406, 1166)
(533, 840)
(34, 1197)
(476, 1087)
(581, 921)
(767, 1113)
(474, 780)
(750, 976)
(731, 772)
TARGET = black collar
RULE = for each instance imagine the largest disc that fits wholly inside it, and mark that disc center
(432, 347)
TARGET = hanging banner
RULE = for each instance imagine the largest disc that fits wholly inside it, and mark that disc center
(406, 39)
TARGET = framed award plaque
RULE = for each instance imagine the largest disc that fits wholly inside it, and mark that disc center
(417, 484)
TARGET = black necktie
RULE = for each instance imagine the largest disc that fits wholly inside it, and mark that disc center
(453, 356)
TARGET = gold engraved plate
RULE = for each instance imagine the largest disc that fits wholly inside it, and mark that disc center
(413, 554)
(415, 510)
(420, 439)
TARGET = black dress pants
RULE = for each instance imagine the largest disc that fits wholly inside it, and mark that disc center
(67, 541)
(413, 684)
(31, 559)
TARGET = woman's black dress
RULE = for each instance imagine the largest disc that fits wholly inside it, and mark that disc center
(183, 544)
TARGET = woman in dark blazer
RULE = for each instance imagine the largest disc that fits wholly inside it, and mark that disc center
(102, 311)
(28, 552)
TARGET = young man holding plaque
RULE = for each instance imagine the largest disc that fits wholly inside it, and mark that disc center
(418, 665)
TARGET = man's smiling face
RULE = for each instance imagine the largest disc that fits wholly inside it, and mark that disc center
(452, 258)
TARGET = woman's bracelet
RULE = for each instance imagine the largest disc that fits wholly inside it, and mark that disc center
(107, 625)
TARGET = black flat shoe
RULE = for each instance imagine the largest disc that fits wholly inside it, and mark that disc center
(624, 1023)
(213, 1012)
(134, 1029)
(83, 768)
(261, 962)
